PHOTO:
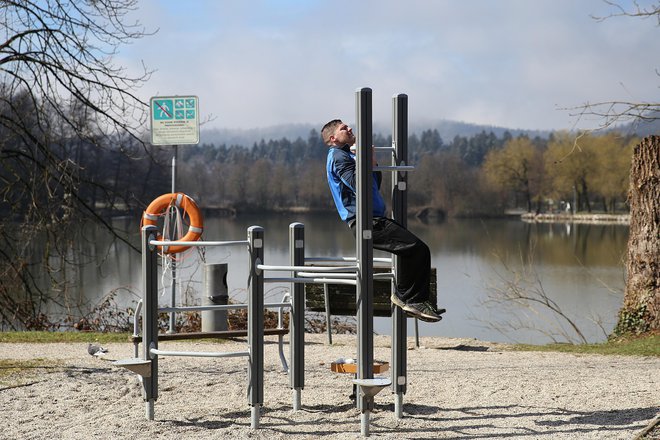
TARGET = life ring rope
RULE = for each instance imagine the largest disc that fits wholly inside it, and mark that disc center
(159, 208)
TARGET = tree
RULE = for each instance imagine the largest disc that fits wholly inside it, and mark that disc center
(571, 168)
(613, 164)
(612, 112)
(641, 306)
(517, 168)
(61, 97)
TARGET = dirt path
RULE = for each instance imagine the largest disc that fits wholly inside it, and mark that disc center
(457, 389)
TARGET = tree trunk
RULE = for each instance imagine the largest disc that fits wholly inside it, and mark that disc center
(641, 306)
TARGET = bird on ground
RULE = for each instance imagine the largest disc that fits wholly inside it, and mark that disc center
(96, 350)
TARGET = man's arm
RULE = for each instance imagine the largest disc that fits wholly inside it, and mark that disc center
(344, 167)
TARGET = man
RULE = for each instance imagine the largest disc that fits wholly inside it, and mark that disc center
(412, 292)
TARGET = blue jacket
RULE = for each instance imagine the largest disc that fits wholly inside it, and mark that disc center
(341, 173)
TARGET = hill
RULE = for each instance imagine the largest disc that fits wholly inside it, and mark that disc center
(447, 130)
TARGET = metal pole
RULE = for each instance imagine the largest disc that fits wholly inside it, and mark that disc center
(256, 323)
(328, 319)
(399, 214)
(297, 321)
(364, 244)
(150, 316)
(172, 326)
(215, 293)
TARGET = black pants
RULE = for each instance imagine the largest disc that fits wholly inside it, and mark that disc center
(414, 255)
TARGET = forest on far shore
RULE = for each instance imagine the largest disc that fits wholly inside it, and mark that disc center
(481, 175)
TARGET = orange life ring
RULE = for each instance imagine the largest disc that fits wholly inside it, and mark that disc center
(160, 205)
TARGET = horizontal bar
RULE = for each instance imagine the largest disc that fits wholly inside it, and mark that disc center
(319, 259)
(347, 276)
(218, 307)
(196, 243)
(155, 351)
(309, 268)
(395, 168)
(277, 305)
(385, 148)
(342, 259)
(310, 280)
(202, 308)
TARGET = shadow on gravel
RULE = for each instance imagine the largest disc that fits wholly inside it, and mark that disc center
(606, 418)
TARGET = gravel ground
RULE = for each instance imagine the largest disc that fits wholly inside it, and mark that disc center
(458, 389)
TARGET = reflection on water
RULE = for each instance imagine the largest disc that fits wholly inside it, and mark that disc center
(578, 266)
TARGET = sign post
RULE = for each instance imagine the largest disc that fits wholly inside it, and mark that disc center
(174, 121)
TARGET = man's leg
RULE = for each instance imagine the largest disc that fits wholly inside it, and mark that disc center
(414, 255)
(412, 292)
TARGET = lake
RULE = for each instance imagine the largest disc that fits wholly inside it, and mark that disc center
(577, 267)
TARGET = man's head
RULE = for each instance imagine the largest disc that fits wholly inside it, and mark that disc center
(336, 133)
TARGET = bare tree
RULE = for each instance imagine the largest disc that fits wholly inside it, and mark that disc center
(641, 309)
(62, 101)
(519, 292)
(612, 112)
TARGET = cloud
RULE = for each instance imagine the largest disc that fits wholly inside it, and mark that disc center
(511, 63)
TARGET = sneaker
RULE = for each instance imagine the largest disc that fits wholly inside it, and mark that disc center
(430, 314)
(396, 301)
(424, 311)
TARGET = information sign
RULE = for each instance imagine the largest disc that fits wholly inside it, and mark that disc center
(174, 120)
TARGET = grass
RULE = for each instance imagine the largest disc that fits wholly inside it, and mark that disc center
(647, 345)
(18, 373)
(45, 337)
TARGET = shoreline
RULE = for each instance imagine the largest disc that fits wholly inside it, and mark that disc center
(618, 219)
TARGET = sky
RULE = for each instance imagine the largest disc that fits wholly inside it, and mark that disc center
(519, 64)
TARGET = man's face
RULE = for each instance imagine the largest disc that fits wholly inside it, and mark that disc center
(344, 135)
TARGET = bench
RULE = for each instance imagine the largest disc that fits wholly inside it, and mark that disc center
(208, 335)
(342, 296)
(343, 303)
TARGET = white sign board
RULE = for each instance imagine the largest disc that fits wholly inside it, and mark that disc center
(174, 120)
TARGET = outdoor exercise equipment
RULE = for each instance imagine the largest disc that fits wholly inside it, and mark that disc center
(360, 273)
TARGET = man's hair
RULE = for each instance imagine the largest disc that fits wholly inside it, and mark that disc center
(329, 129)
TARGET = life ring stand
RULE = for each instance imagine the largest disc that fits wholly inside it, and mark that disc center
(159, 206)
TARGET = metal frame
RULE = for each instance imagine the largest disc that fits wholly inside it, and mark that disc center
(399, 214)
(255, 306)
(361, 275)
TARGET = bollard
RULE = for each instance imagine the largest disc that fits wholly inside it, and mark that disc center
(215, 293)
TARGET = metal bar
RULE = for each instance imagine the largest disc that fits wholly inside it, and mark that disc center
(347, 276)
(157, 352)
(136, 329)
(149, 317)
(395, 168)
(173, 220)
(286, 298)
(399, 213)
(220, 307)
(310, 281)
(308, 268)
(197, 243)
(328, 320)
(256, 322)
(297, 321)
(318, 259)
(339, 276)
(364, 244)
